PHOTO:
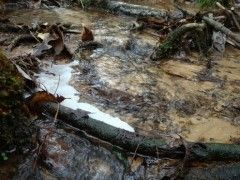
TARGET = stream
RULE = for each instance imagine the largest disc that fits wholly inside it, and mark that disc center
(118, 85)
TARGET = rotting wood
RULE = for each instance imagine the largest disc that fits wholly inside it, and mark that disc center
(173, 41)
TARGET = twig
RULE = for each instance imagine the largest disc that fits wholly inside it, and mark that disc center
(57, 84)
(43, 86)
(55, 117)
(39, 150)
(82, 4)
(220, 27)
(230, 12)
(135, 152)
(72, 31)
(34, 36)
(233, 43)
(157, 152)
(235, 12)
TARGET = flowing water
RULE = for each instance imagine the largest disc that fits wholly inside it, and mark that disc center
(177, 96)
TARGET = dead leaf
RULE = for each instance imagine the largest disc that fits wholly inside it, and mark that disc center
(37, 99)
(87, 34)
(58, 43)
(25, 75)
(136, 163)
(52, 39)
(43, 36)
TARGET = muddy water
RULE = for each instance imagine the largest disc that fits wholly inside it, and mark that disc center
(175, 96)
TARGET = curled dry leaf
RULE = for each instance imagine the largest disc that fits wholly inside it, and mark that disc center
(53, 39)
(37, 99)
(87, 35)
(58, 43)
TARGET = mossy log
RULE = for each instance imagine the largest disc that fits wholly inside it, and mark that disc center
(173, 41)
(228, 171)
(156, 147)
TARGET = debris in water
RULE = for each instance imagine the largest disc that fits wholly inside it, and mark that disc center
(49, 77)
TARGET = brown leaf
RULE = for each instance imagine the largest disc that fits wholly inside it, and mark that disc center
(37, 99)
(87, 34)
(58, 43)
(136, 163)
(53, 39)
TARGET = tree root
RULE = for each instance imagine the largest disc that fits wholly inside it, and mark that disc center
(173, 41)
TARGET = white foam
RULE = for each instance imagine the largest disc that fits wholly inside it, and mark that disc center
(49, 77)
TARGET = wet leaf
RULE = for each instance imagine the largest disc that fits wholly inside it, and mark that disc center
(52, 39)
(39, 98)
(58, 43)
(135, 163)
(87, 35)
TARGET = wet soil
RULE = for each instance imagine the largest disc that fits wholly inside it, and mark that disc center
(175, 96)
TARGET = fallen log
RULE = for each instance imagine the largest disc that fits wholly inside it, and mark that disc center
(228, 171)
(5, 27)
(135, 10)
(140, 10)
(150, 146)
(118, 137)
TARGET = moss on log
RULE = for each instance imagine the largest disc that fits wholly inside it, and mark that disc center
(229, 171)
(173, 42)
(157, 147)
(119, 137)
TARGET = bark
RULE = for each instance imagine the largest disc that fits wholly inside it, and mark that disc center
(140, 10)
(156, 147)
(118, 137)
(135, 10)
(9, 28)
(218, 26)
(230, 171)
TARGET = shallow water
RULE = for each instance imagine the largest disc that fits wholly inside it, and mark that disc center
(177, 96)
(174, 97)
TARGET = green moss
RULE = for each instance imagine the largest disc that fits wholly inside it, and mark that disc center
(13, 127)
